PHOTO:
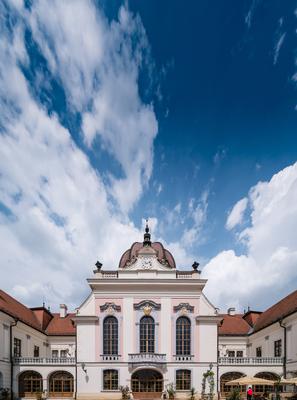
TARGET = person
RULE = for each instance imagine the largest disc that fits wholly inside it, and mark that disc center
(249, 393)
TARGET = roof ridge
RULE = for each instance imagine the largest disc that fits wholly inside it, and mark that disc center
(13, 299)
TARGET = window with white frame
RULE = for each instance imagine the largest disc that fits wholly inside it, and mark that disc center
(259, 351)
(110, 335)
(147, 335)
(63, 353)
(183, 336)
(183, 379)
(36, 351)
(278, 348)
(110, 379)
(55, 353)
(17, 347)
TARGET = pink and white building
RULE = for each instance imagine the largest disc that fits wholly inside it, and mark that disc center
(145, 325)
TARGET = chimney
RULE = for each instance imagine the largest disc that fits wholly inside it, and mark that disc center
(63, 310)
(231, 311)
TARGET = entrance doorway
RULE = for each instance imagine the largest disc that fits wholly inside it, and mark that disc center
(147, 383)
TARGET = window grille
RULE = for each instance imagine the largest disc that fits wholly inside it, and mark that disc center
(183, 336)
(110, 335)
(110, 379)
(147, 335)
(183, 379)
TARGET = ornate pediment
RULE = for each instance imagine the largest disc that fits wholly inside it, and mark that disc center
(147, 306)
(183, 308)
(110, 307)
(147, 262)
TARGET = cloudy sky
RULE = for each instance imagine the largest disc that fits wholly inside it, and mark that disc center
(113, 112)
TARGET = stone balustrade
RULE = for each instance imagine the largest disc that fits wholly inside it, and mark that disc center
(43, 361)
(250, 360)
(147, 358)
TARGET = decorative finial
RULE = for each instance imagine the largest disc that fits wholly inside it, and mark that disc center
(98, 265)
(195, 266)
(147, 235)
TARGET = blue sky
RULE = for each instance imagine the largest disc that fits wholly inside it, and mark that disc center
(113, 112)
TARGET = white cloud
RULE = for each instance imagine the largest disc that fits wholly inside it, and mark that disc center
(219, 156)
(268, 269)
(197, 212)
(278, 46)
(60, 218)
(250, 15)
(237, 213)
(99, 63)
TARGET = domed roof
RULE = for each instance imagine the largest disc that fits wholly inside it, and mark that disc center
(163, 255)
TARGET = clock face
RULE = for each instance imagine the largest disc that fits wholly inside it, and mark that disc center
(146, 263)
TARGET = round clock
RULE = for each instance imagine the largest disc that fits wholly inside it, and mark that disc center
(146, 263)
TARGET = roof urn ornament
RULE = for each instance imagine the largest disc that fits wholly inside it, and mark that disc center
(147, 236)
(195, 266)
(98, 265)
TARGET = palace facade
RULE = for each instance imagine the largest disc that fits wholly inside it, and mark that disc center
(144, 325)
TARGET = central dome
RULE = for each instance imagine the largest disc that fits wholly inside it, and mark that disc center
(163, 255)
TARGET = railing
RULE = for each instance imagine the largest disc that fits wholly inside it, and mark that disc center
(109, 274)
(184, 274)
(147, 358)
(183, 358)
(250, 360)
(44, 360)
(110, 357)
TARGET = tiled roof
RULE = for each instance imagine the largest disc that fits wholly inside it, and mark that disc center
(251, 317)
(61, 326)
(53, 324)
(233, 325)
(11, 306)
(285, 307)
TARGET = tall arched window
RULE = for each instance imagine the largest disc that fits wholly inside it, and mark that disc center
(183, 336)
(30, 383)
(147, 335)
(110, 335)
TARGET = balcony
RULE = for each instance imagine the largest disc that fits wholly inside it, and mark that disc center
(250, 360)
(110, 357)
(44, 361)
(147, 358)
(183, 358)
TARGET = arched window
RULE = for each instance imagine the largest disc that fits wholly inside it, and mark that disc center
(183, 379)
(147, 335)
(183, 336)
(271, 376)
(61, 384)
(227, 377)
(30, 382)
(110, 335)
(110, 379)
